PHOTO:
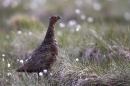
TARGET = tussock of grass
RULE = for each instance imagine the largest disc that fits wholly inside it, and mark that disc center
(108, 64)
(20, 21)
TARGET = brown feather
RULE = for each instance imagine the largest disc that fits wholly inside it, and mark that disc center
(44, 55)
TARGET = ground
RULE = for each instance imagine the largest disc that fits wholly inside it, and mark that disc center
(93, 45)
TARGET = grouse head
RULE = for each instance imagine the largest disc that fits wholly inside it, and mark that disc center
(54, 19)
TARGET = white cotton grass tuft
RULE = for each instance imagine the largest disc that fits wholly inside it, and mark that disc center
(29, 33)
(62, 25)
(63, 55)
(77, 59)
(40, 74)
(127, 16)
(19, 32)
(8, 65)
(72, 23)
(104, 56)
(51, 74)
(97, 6)
(78, 27)
(6, 3)
(77, 11)
(3, 55)
(9, 74)
(83, 17)
(21, 61)
(45, 70)
(90, 19)
(18, 60)
(3, 59)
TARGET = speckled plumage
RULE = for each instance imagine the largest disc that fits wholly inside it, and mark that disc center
(44, 55)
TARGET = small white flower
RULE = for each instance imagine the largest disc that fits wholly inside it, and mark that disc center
(45, 70)
(51, 74)
(127, 16)
(77, 11)
(18, 60)
(90, 19)
(19, 32)
(78, 28)
(63, 55)
(21, 61)
(8, 65)
(97, 6)
(3, 55)
(3, 59)
(40, 74)
(77, 59)
(83, 17)
(8, 74)
(62, 25)
(72, 23)
(6, 3)
(30, 33)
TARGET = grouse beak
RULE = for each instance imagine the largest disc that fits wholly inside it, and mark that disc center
(59, 17)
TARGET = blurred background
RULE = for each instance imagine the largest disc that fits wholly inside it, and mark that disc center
(74, 11)
(23, 20)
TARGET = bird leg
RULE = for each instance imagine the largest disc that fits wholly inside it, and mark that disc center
(38, 77)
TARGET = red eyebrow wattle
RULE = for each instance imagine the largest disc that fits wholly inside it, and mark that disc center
(54, 16)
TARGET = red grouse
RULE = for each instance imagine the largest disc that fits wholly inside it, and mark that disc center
(44, 55)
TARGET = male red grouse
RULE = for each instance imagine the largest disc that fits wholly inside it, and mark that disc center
(44, 55)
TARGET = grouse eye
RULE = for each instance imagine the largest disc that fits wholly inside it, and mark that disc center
(54, 16)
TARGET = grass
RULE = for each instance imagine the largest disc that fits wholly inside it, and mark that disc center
(90, 54)
(96, 55)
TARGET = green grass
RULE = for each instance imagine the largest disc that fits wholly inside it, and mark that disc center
(96, 55)
(107, 63)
